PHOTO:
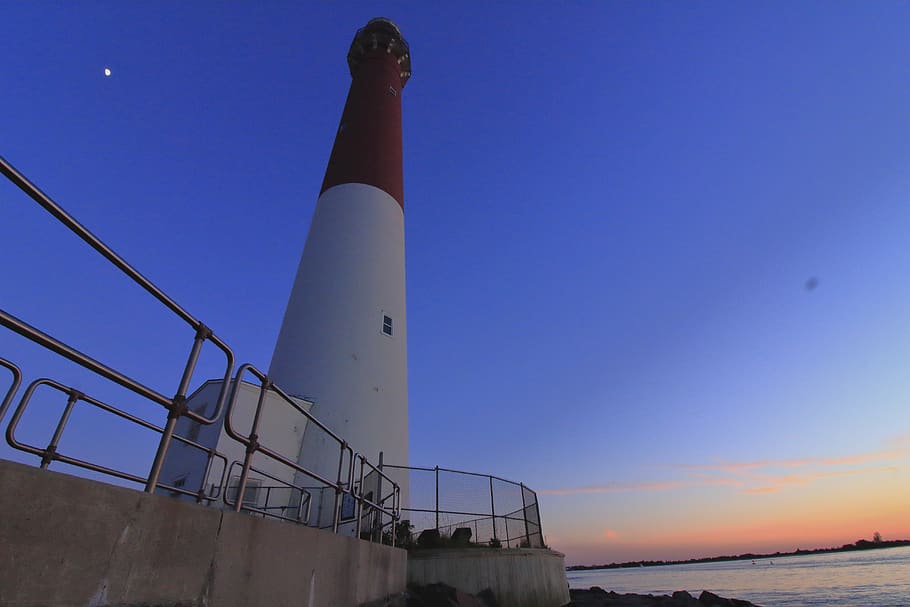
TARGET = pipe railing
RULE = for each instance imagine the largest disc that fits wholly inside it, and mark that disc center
(346, 458)
(377, 505)
(13, 387)
(51, 453)
(176, 405)
(232, 497)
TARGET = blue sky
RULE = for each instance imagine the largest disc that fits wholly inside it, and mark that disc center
(612, 212)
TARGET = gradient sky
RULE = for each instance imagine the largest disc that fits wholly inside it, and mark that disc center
(613, 214)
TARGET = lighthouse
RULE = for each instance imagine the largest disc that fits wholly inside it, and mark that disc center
(343, 340)
(341, 352)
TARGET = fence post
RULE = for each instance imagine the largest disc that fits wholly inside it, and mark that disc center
(200, 494)
(492, 508)
(524, 514)
(379, 499)
(437, 498)
(336, 509)
(51, 450)
(359, 496)
(253, 444)
(177, 407)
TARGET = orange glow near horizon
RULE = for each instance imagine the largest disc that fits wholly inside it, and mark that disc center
(820, 504)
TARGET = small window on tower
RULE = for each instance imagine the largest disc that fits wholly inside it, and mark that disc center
(387, 325)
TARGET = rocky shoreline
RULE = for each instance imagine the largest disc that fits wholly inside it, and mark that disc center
(442, 595)
(598, 597)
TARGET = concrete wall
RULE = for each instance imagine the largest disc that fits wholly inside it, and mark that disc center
(71, 541)
(518, 578)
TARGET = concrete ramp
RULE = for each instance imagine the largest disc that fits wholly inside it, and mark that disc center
(71, 541)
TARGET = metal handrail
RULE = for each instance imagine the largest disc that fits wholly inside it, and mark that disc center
(176, 406)
(343, 484)
(305, 497)
(50, 453)
(93, 241)
(379, 504)
(26, 330)
(13, 388)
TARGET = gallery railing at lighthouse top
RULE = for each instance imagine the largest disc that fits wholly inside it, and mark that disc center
(176, 406)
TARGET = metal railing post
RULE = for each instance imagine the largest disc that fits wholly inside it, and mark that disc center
(336, 511)
(208, 468)
(396, 511)
(437, 498)
(524, 515)
(177, 407)
(360, 498)
(493, 508)
(253, 444)
(51, 450)
(379, 499)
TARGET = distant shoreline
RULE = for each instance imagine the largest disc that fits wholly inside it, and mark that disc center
(858, 545)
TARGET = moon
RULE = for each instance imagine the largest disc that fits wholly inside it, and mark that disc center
(107, 71)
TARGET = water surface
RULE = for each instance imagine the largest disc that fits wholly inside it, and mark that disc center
(867, 578)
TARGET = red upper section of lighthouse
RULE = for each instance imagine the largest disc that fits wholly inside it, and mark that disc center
(368, 143)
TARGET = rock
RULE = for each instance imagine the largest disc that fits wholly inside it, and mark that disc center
(711, 599)
(461, 536)
(443, 595)
(432, 595)
(684, 599)
(487, 596)
(598, 597)
(429, 538)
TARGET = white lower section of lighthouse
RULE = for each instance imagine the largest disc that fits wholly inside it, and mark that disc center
(343, 341)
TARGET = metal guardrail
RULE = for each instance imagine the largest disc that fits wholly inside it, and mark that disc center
(499, 511)
(176, 405)
(51, 454)
(232, 497)
(377, 507)
(343, 483)
(14, 386)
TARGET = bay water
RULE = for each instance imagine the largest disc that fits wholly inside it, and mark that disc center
(866, 578)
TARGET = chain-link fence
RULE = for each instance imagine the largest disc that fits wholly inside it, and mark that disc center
(495, 510)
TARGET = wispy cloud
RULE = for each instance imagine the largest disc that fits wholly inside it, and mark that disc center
(755, 477)
(758, 490)
(614, 488)
(848, 460)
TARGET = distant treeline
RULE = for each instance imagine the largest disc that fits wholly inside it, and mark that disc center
(858, 545)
